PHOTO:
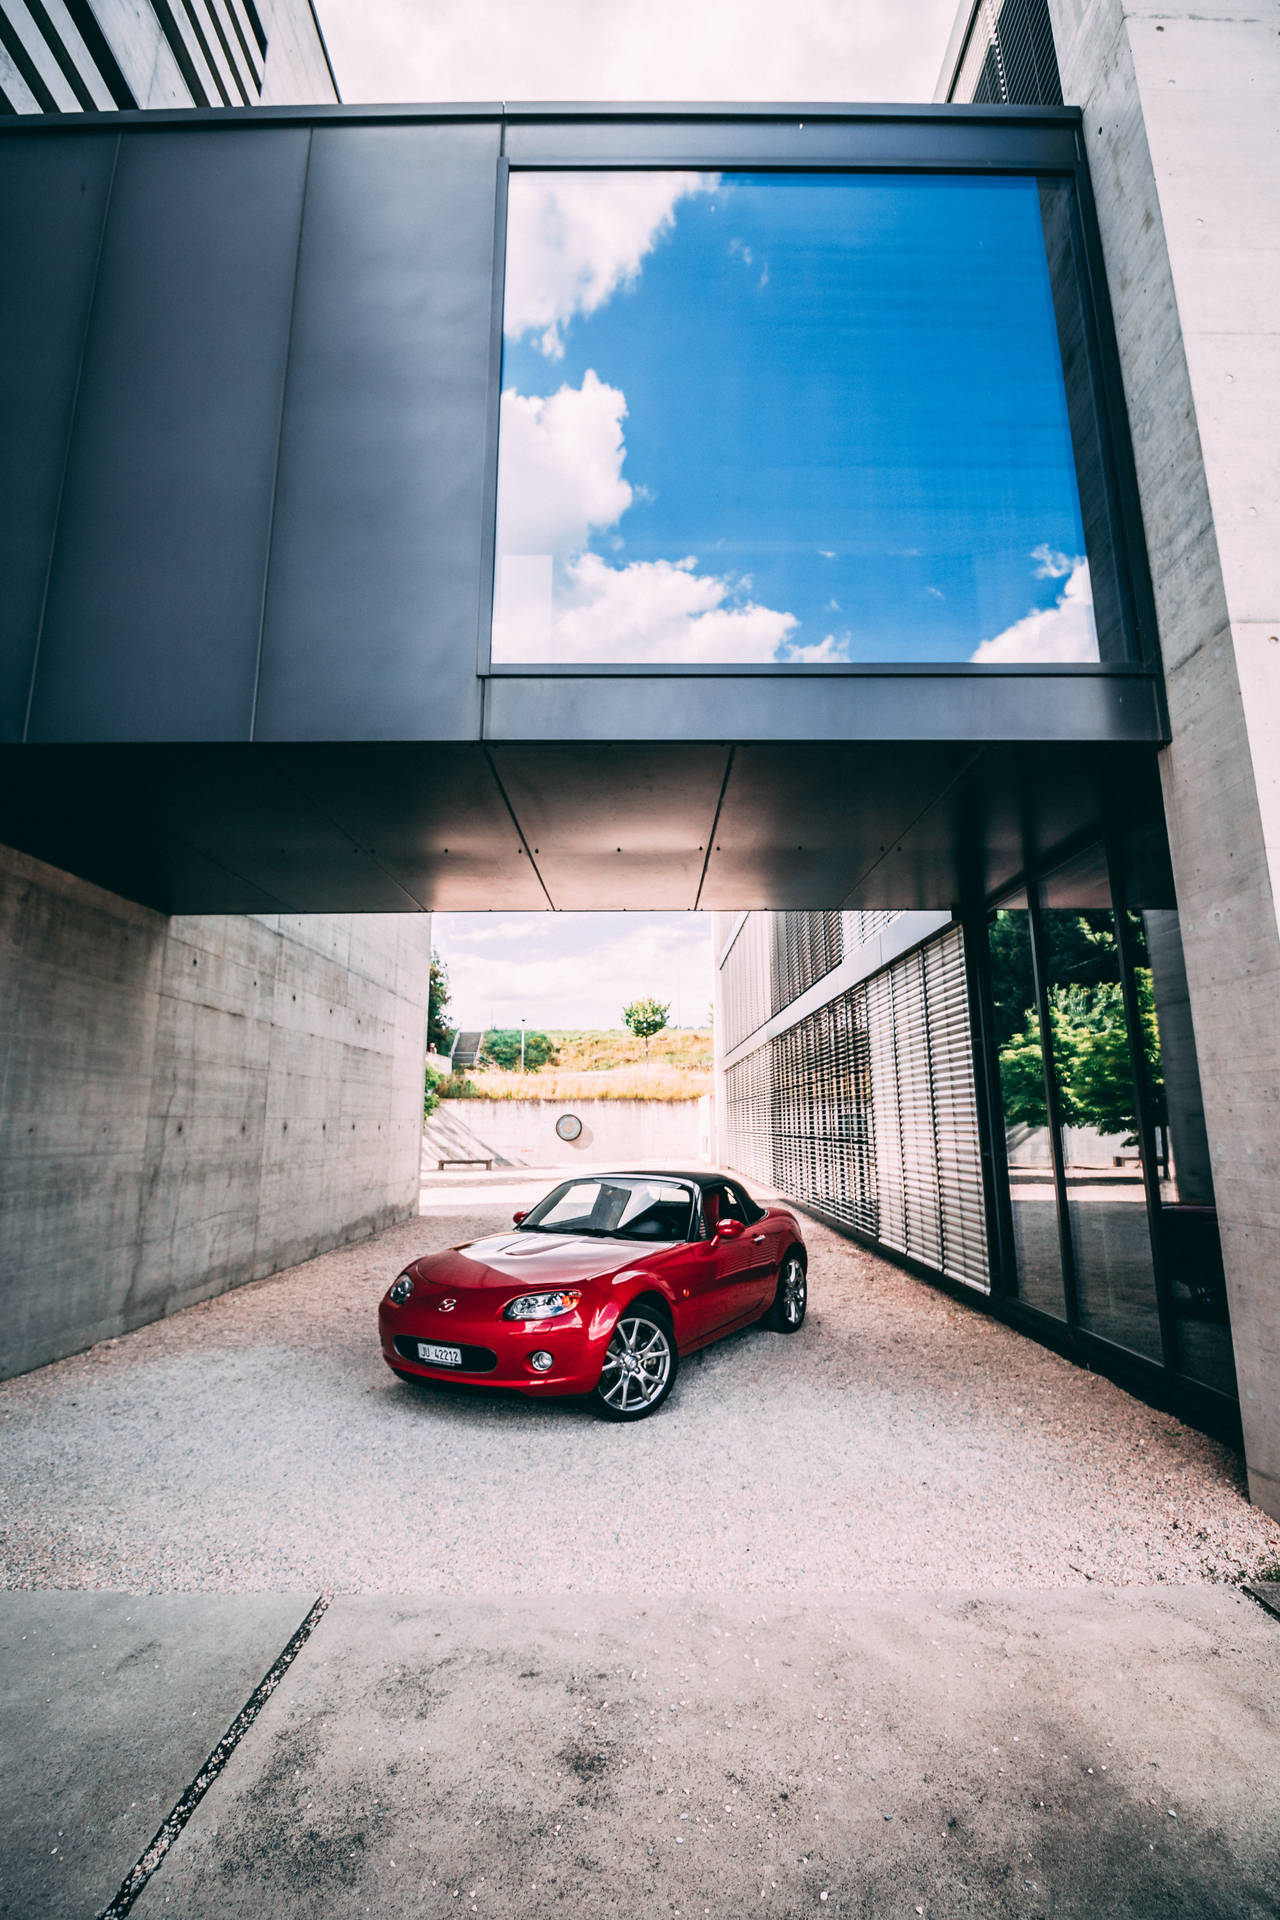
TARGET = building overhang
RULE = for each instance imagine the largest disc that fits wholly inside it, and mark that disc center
(251, 362)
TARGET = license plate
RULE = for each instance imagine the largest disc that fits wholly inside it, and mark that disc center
(434, 1356)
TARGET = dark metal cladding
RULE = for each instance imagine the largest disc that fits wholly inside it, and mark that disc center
(52, 205)
(250, 363)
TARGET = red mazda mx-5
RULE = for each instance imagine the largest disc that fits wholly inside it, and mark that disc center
(601, 1290)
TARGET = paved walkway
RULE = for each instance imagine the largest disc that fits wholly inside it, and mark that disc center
(903, 1616)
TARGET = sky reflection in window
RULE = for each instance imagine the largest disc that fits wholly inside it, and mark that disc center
(783, 418)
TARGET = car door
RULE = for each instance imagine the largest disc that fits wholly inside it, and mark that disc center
(733, 1292)
(767, 1238)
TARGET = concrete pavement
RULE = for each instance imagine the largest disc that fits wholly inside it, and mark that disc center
(1076, 1754)
(109, 1704)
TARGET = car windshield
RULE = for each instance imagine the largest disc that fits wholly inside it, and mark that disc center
(635, 1209)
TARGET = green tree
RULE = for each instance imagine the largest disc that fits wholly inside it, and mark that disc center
(645, 1018)
(1092, 1058)
(439, 1032)
(1022, 1076)
(502, 1049)
(431, 1091)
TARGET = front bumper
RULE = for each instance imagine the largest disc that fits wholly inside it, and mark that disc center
(496, 1352)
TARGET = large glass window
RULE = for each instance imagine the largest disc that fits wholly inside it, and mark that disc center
(796, 418)
(1028, 1142)
(1101, 1128)
(1192, 1254)
(1107, 1149)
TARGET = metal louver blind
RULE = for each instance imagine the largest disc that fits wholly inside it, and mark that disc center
(865, 1111)
(806, 947)
(861, 927)
(1009, 59)
(745, 1002)
(962, 1208)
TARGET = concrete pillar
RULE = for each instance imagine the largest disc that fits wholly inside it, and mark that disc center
(1180, 107)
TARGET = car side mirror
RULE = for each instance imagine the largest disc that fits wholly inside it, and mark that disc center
(519, 1215)
(728, 1229)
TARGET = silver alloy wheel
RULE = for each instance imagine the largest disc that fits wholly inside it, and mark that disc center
(637, 1365)
(794, 1291)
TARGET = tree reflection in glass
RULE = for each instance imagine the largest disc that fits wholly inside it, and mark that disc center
(786, 418)
(1028, 1147)
(1101, 1146)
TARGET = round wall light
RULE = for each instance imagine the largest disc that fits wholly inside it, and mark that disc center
(569, 1127)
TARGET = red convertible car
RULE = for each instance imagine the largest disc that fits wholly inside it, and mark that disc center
(601, 1289)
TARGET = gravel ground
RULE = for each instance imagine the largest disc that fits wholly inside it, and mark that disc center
(258, 1442)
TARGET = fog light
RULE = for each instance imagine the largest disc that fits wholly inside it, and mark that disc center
(541, 1361)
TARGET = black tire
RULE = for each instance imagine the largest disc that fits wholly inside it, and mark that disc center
(625, 1391)
(786, 1315)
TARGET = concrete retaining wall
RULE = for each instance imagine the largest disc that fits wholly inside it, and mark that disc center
(190, 1103)
(522, 1133)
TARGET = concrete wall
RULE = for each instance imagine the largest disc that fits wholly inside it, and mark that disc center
(522, 1133)
(1180, 106)
(297, 72)
(189, 1103)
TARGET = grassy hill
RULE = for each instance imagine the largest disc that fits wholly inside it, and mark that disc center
(608, 1065)
(593, 1052)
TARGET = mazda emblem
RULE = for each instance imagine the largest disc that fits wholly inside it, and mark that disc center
(447, 1306)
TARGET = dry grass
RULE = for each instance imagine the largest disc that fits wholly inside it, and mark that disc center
(608, 1065)
(654, 1082)
(585, 1052)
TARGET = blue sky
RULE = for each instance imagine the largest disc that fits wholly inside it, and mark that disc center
(834, 400)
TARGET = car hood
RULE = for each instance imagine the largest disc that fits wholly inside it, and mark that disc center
(533, 1261)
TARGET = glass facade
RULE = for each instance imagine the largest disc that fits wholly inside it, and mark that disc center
(1107, 1219)
(799, 418)
(1191, 1255)
(1019, 1112)
(1110, 1199)
(1025, 1113)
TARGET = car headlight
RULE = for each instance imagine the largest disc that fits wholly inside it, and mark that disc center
(540, 1306)
(401, 1289)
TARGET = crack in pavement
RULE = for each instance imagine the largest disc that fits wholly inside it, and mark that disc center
(153, 1854)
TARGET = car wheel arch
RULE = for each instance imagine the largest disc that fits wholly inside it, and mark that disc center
(649, 1297)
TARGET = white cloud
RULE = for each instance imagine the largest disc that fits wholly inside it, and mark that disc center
(821, 651)
(560, 474)
(577, 50)
(1064, 632)
(1050, 564)
(573, 969)
(651, 610)
(574, 238)
(560, 482)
